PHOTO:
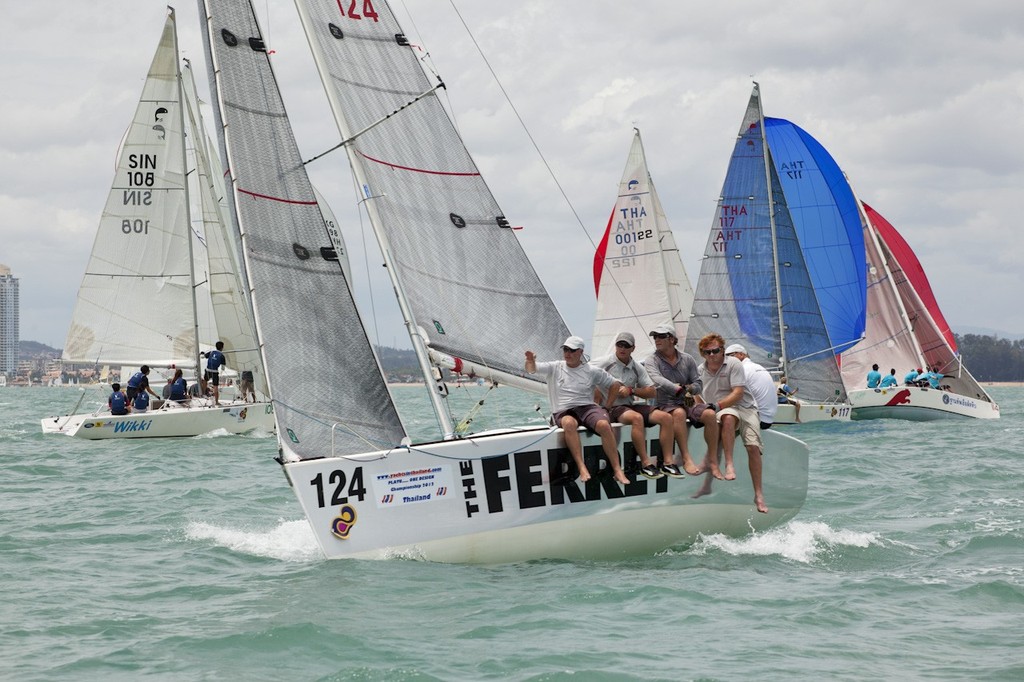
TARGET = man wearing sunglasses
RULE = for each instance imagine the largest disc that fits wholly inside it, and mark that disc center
(725, 385)
(636, 382)
(571, 386)
(675, 374)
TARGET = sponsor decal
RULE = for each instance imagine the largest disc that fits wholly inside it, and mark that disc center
(343, 523)
(132, 425)
(410, 486)
(902, 397)
(948, 399)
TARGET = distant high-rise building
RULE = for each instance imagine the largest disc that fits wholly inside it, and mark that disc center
(9, 322)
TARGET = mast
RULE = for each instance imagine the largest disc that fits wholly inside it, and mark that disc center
(188, 201)
(784, 356)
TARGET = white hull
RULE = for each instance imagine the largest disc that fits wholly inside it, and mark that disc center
(169, 422)
(813, 412)
(452, 502)
(917, 404)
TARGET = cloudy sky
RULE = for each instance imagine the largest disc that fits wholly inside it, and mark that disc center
(920, 102)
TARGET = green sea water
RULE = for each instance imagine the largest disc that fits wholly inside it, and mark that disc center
(190, 559)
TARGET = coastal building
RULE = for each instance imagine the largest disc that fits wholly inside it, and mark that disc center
(9, 322)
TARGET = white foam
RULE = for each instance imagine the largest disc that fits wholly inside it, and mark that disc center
(797, 540)
(289, 541)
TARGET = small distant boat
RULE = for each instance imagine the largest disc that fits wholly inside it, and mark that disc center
(137, 303)
(754, 287)
(906, 330)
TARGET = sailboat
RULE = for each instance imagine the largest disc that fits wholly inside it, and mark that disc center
(906, 330)
(137, 303)
(754, 287)
(498, 496)
(639, 276)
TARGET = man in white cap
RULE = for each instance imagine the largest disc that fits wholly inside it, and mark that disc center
(675, 375)
(635, 382)
(571, 385)
(759, 383)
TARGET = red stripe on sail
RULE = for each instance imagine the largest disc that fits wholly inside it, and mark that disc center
(602, 249)
(416, 170)
(270, 198)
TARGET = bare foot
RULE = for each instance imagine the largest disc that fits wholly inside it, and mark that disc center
(730, 473)
(716, 472)
(704, 490)
(584, 475)
(690, 467)
(759, 503)
(621, 477)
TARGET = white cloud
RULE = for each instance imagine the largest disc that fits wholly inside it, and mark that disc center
(919, 102)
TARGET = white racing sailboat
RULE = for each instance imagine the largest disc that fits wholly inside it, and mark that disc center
(137, 302)
(498, 496)
(906, 330)
(754, 287)
(639, 276)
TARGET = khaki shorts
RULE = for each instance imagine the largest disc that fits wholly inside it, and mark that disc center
(749, 424)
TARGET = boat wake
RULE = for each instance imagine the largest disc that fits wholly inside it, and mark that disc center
(289, 541)
(797, 540)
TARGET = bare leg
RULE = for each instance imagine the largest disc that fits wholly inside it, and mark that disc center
(611, 450)
(572, 441)
(796, 406)
(666, 433)
(728, 442)
(754, 458)
(638, 433)
(712, 431)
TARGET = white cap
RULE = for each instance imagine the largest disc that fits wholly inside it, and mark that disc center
(574, 342)
(664, 329)
(627, 337)
(735, 348)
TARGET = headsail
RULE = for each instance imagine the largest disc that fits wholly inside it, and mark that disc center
(754, 288)
(142, 247)
(231, 308)
(638, 274)
(828, 226)
(428, 204)
(328, 389)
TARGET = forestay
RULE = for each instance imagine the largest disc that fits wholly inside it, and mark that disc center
(328, 389)
(465, 277)
(638, 275)
(142, 247)
(754, 288)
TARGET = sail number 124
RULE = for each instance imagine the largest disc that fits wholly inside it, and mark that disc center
(336, 485)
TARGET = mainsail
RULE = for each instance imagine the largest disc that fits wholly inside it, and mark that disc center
(328, 388)
(638, 275)
(754, 287)
(827, 223)
(428, 204)
(142, 252)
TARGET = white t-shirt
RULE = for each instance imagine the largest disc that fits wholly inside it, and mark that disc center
(573, 386)
(762, 387)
